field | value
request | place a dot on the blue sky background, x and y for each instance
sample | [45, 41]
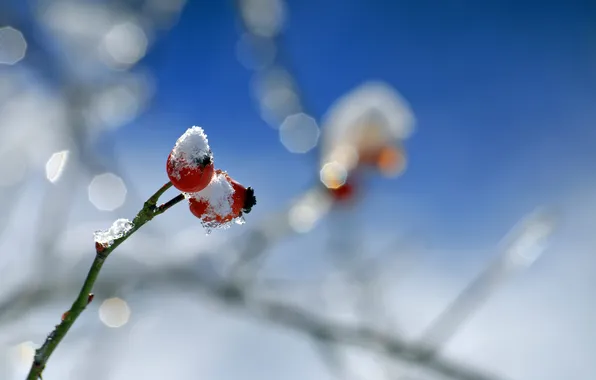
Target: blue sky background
[504, 94]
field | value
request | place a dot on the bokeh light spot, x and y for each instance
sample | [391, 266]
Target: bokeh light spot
[333, 175]
[116, 106]
[299, 133]
[391, 161]
[263, 17]
[302, 218]
[24, 353]
[124, 45]
[55, 165]
[13, 45]
[107, 192]
[114, 312]
[275, 91]
[306, 212]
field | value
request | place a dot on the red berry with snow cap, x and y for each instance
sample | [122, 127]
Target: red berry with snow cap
[222, 201]
[190, 164]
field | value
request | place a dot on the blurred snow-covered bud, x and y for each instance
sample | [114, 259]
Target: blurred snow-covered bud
[371, 122]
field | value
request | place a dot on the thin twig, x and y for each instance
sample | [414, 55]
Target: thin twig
[164, 207]
[148, 212]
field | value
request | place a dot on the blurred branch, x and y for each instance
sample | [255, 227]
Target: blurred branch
[520, 247]
[360, 336]
[227, 289]
[184, 278]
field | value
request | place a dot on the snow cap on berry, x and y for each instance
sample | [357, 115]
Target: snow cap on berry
[192, 148]
[219, 195]
[369, 117]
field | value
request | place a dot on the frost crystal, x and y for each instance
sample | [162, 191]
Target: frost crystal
[118, 229]
[192, 149]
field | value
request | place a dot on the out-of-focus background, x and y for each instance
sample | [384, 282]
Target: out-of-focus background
[424, 173]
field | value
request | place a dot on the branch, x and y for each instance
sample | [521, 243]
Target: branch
[148, 212]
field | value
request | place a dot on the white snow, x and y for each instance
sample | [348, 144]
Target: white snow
[118, 229]
[218, 194]
[191, 147]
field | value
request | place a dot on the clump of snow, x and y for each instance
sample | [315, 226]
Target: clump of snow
[219, 195]
[191, 149]
[118, 229]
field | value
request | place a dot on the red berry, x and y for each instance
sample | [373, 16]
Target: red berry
[189, 177]
[198, 207]
[99, 247]
[242, 200]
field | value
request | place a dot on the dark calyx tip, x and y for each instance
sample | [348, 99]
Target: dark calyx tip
[249, 200]
[205, 160]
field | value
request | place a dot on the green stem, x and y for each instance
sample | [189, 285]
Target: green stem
[148, 212]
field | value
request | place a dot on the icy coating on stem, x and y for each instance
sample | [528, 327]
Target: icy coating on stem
[192, 149]
[118, 229]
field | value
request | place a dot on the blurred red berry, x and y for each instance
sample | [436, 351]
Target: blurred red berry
[189, 177]
[342, 193]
